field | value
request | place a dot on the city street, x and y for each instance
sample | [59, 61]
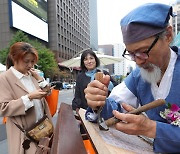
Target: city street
[65, 96]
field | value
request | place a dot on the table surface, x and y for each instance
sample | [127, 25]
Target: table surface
[114, 141]
[67, 137]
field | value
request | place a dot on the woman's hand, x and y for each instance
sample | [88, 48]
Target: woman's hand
[96, 92]
[37, 94]
[36, 75]
[135, 124]
[48, 88]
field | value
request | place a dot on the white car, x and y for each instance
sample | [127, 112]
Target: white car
[65, 85]
[69, 86]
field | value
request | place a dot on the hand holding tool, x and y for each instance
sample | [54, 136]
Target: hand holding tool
[101, 121]
[137, 111]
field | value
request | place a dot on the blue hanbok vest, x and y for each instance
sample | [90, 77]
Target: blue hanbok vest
[142, 90]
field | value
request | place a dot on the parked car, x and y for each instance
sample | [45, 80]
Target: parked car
[58, 85]
[69, 86]
[66, 85]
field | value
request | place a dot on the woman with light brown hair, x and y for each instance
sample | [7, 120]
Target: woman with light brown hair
[21, 98]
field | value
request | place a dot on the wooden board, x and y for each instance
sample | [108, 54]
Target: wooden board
[114, 141]
[67, 138]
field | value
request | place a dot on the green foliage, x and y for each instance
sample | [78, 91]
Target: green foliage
[46, 63]
[19, 37]
[46, 60]
[3, 55]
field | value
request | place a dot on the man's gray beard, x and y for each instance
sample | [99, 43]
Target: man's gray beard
[153, 76]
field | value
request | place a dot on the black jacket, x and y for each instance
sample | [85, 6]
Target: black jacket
[82, 81]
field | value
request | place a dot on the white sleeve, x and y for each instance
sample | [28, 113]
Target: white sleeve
[28, 104]
[121, 93]
[43, 84]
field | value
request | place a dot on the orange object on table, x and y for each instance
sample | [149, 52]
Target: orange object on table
[89, 147]
[52, 101]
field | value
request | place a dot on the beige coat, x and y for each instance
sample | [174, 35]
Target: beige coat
[11, 106]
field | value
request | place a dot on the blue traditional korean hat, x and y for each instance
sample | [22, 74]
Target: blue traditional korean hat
[145, 21]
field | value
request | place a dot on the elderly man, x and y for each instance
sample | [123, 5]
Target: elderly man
[147, 37]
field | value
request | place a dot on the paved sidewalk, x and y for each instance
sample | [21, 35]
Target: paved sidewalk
[3, 147]
[3, 138]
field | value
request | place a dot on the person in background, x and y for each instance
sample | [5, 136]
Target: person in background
[21, 97]
[147, 36]
[89, 63]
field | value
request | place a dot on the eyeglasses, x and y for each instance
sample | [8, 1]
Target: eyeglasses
[141, 55]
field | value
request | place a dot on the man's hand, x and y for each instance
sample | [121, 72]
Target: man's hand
[135, 124]
[96, 92]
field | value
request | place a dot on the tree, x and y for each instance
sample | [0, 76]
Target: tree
[46, 62]
[18, 37]
[3, 55]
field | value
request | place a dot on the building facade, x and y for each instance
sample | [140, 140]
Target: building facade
[6, 32]
[69, 29]
[23, 15]
[120, 68]
[93, 24]
[175, 21]
[107, 50]
[65, 24]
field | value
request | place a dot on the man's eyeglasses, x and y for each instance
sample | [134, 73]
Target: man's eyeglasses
[141, 55]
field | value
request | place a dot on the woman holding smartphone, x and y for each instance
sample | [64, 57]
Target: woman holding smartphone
[22, 97]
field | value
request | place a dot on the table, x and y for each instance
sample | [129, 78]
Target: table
[67, 138]
[114, 141]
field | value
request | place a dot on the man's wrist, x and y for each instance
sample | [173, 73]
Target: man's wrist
[151, 132]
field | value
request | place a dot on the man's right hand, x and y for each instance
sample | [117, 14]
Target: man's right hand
[96, 92]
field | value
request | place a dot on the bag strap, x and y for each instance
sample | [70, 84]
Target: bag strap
[25, 133]
[23, 130]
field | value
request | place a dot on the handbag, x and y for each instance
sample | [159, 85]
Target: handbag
[43, 128]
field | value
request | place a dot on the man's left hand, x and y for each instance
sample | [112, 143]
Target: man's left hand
[135, 124]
